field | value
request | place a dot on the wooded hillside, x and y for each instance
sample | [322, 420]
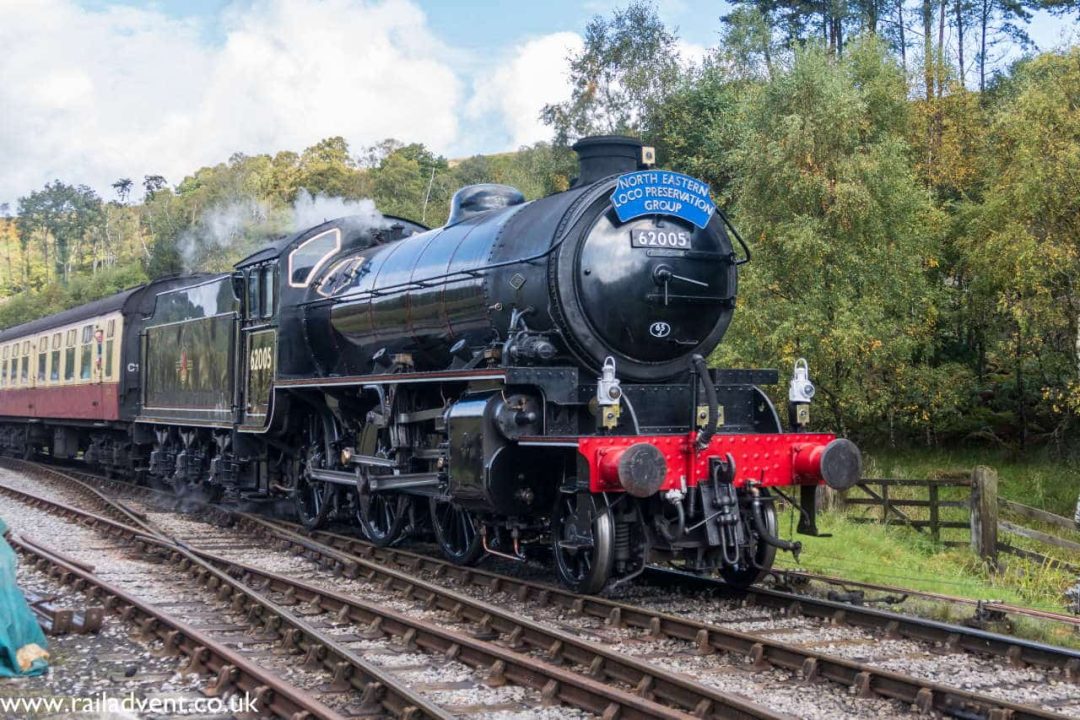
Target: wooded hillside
[912, 201]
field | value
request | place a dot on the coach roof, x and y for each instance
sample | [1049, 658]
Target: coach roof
[103, 306]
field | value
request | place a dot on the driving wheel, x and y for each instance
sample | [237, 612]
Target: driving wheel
[457, 531]
[382, 516]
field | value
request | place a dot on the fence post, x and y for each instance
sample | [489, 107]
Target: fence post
[832, 499]
[935, 529]
[984, 513]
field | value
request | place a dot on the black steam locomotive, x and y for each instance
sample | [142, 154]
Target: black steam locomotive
[531, 374]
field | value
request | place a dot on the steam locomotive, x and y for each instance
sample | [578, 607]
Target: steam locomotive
[529, 376]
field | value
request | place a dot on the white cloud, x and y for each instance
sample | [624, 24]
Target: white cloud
[515, 93]
[509, 99]
[691, 54]
[90, 96]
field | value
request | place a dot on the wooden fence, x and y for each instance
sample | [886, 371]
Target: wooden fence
[961, 504]
[890, 506]
[1042, 516]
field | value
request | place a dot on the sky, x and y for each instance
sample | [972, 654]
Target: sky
[95, 90]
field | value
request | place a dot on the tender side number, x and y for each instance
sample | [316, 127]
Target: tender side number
[262, 359]
[656, 238]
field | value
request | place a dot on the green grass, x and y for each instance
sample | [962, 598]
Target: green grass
[1038, 480]
[898, 555]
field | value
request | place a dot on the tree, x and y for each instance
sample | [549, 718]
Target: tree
[123, 189]
[64, 213]
[1000, 21]
[1021, 248]
[826, 196]
[285, 177]
[748, 47]
[8, 241]
[702, 123]
[153, 184]
[327, 168]
[538, 170]
[399, 186]
[627, 67]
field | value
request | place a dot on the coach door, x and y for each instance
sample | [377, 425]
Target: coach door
[259, 340]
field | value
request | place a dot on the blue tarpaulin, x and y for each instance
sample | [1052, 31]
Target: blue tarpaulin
[19, 629]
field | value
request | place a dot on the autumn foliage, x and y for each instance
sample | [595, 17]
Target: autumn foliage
[920, 248]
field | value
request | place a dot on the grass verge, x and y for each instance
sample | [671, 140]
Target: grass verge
[895, 555]
[1037, 479]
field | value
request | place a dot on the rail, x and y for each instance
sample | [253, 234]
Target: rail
[353, 557]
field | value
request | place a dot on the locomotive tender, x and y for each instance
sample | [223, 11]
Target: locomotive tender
[531, 374]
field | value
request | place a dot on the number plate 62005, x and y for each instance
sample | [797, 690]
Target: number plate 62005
[660, 238]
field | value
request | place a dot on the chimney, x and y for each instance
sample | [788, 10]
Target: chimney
[605, 155]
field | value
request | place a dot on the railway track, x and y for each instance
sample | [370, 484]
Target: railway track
[1018, 651]
[233, 672]
[397, 570]
[255, 628]
[987, 607]
[758, 646]
[585, 685]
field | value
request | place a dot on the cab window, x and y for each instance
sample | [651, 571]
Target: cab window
[310, 255]
[266, 290]
[253, 293]
[339, 277]
[54, 359]
[69, 355]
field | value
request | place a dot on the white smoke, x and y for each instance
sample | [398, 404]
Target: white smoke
[226, 223]
[219, 229]
[309, 211]
[244, 224]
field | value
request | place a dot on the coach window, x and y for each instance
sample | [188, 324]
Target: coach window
[110, 339]
[311, 255]
[4, 368]
[24, 367]
[69, 356]
[54, 360]
[87, 356]
[42, 358]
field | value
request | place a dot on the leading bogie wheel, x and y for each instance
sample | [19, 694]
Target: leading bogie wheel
[582, 538]
[457, 531]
